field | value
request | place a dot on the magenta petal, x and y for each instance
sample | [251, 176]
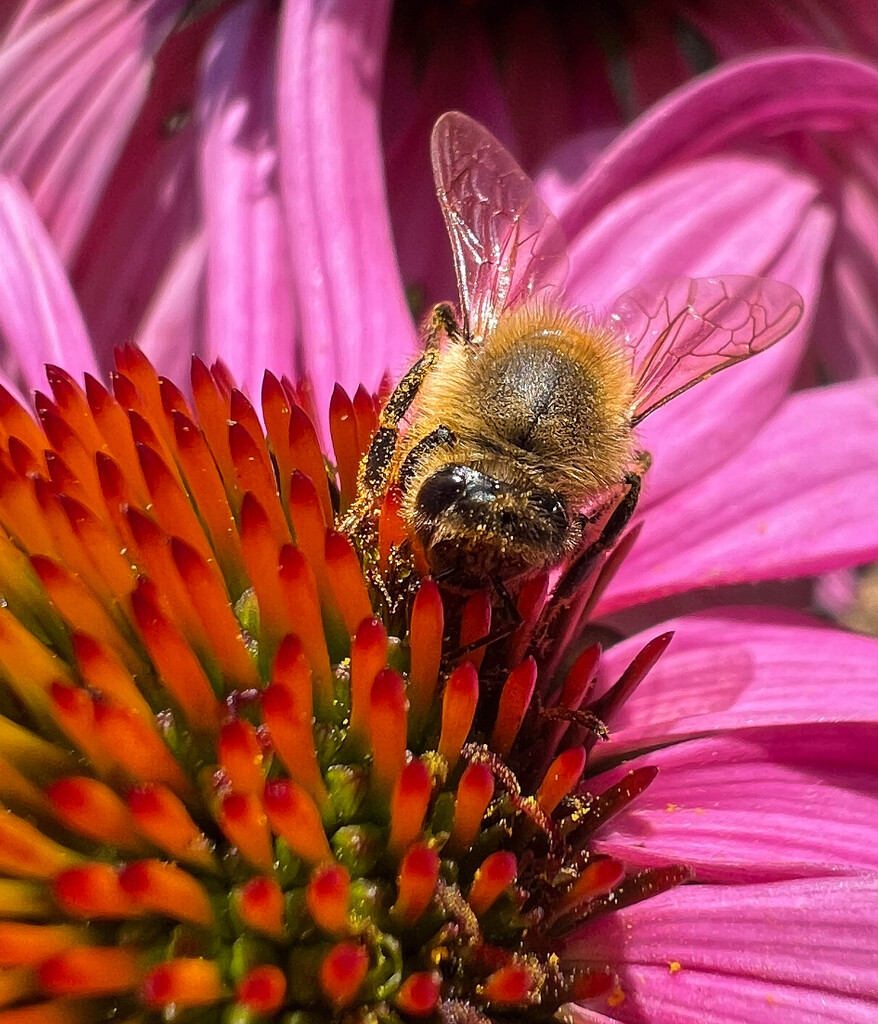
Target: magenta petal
[846, 332]
[460, 74]
[71, 85]
[756, 806]
[798, 501]
[720, 416]
[568, 162]
[250, 320]
[836, 592]
[117, 280]
[742, 669]
[580, 1015]
[172, 330]
[741, 103]
[40, 321]
[719, 215]
[150, 208]
[711, 216]
[798, 952]
[353, 314]
[848, 25]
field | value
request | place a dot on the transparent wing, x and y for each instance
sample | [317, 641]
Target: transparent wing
[507, 245]
[682, 330]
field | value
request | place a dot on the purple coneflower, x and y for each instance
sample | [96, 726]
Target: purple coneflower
[241, 784]
[239, 777]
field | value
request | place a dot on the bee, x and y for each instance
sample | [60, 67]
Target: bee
[513, 438]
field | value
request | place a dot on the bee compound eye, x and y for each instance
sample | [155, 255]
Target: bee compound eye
[441, 490]
[552, 507]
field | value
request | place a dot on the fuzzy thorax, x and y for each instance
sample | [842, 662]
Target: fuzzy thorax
[541, 408]
[548, 390]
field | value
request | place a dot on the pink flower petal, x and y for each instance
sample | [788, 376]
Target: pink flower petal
[580, 1015]
[150, 207]
[760, 806]
[739, 104]
[353, 314]
[250, 318]
[71, 85]
[460, 74]
[542, 105]
[718, 215]
[173, 328]
[846, 25]
[836, 592]
[742, 668]
[117, 278]
[799, 501]
[787, 953]
[14, 20]
[40, 321]
[718, 416]
[846, 332]
[799, 952]
[556, 179]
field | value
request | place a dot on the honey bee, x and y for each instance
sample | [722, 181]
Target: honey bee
[512, 438]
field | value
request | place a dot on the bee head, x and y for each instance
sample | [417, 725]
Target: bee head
[480, 526]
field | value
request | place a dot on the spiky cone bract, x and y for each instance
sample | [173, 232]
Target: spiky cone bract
[241, 779]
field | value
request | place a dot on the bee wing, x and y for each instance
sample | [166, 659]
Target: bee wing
[507, 245]
[682, 331]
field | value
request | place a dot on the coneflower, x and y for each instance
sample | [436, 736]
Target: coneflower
[233, 758]
[243, 778]
[240, 775]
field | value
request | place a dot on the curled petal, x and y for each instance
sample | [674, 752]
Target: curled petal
[150, 207]
[40, 321]
[719, 215]
[800, 500]
[71, 85]
[746, 668]
[173, 326]
[741, 103]
[846, 334]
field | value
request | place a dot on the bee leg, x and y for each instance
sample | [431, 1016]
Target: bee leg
[438, 438]
[510, 607]
[375, 467]
[483, 641]
[500, 632]
[642, 462]
[584, 719]
[622, 514]
[376, 464]
[580, 569]
[442, 321]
